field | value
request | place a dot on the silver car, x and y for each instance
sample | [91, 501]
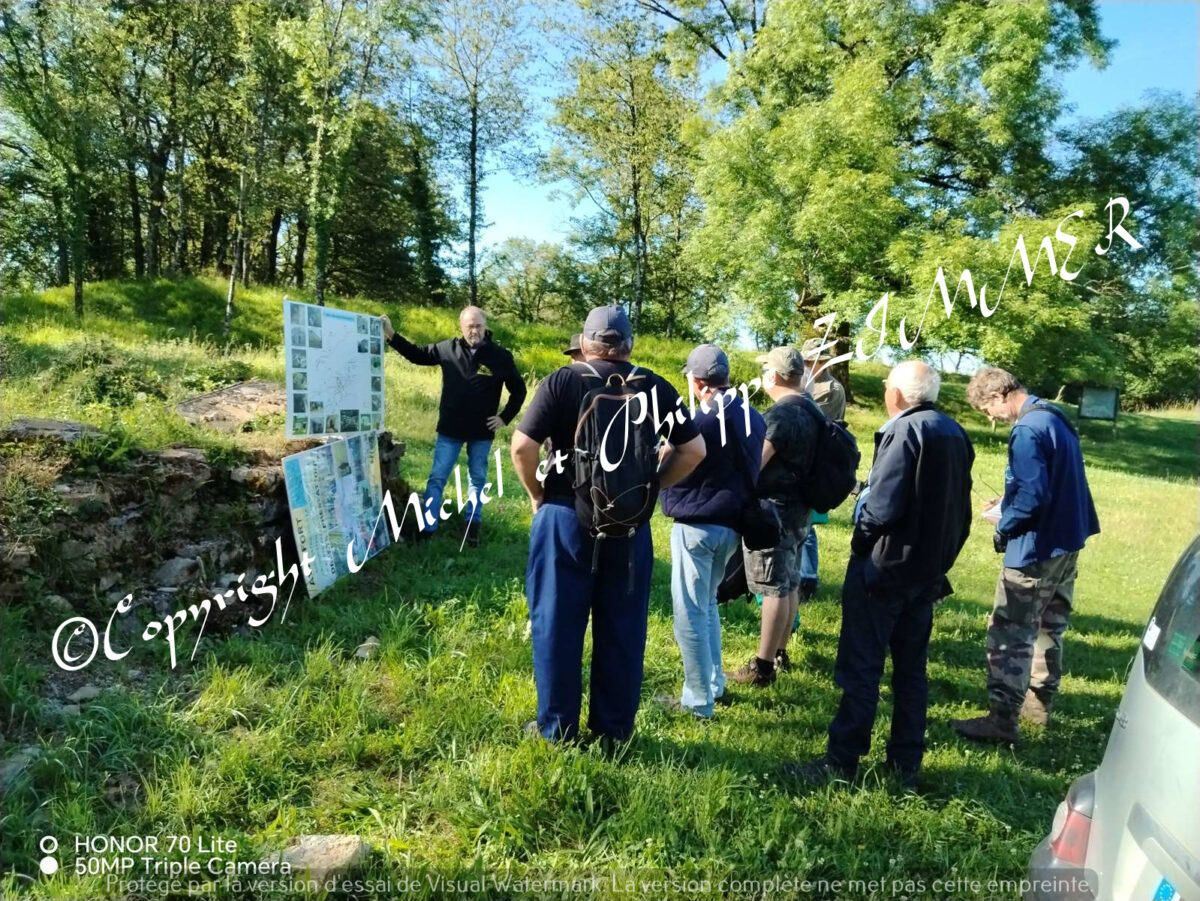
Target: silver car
[1131, 828]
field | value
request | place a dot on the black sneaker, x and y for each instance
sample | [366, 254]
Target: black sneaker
[759, 673]
[906, 776]
[783, 663]
[473, 533]
[808, 589]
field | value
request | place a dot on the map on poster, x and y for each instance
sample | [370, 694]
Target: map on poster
[334, 370]
[335, 493]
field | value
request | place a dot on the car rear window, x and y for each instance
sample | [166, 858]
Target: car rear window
[1171, 645]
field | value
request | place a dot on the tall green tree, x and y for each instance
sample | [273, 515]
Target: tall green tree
[50, 52]
[846, 133]
[343, 51]
[476, 53]
[617, 131]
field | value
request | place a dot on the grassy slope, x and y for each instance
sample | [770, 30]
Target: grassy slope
[421, 750]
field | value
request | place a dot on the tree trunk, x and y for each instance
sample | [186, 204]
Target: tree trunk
[321, 228]
[473, 198]
[135, 218]
[206, 243]
[301, 247]
[841, 371]
[272, 248]
[639, 252]
[222, 229]
[78, 226]
[238, 253]
[179, 260]
[62, 239]
[157, 170]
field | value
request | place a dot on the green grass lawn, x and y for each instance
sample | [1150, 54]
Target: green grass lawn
[420, 749]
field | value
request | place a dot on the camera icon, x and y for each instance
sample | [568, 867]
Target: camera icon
[48, 845]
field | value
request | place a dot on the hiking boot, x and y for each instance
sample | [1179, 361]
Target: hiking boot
[808, 589]
[819, 771]
[473, 533]
[1035, 710]
[783, 663]
[995, 728]
[906, 776]
[757, 672]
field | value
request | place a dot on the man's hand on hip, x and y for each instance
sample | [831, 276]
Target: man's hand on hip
[495, 423]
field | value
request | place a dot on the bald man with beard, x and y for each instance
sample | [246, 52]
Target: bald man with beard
[910, 523]
[474, 370]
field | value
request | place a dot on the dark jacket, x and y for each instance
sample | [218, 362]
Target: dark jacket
[1048, 509]
[917, 514]
[716, 491]
[470, 383]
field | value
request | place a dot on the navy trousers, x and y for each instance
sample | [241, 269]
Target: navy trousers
[562, 592]
[874, 623]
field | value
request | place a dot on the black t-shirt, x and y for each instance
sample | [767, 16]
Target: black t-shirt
[554, 412]
[792, 431]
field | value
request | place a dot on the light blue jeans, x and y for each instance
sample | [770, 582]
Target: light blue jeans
[445, 455]
[698, 557]
[808, 555]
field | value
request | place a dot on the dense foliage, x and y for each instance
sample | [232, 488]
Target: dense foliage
[738, 166]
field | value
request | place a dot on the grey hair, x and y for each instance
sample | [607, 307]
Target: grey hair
[606, 351]
[917, 381]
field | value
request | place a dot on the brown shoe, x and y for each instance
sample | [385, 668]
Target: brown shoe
[1035, 710]
[995, 728]
[783, 663]
[759, 673]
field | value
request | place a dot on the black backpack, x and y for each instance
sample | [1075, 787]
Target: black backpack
[616, 459]
[834, 469]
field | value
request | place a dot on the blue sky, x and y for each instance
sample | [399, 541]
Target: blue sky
[1158, 49]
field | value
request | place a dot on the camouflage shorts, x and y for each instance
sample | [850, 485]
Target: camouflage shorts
[775, 572]
[1031, 611]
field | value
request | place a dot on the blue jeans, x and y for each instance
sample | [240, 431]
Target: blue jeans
[445, 455]
[698, 557]
[808, 555]
[562, 593]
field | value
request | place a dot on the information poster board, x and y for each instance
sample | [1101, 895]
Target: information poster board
[335, 493]
[334, 370]
[1098, 403]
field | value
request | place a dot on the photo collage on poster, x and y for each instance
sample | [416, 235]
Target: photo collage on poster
[334, 371]
[335, 492]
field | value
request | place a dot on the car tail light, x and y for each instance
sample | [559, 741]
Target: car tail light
[1069, 838]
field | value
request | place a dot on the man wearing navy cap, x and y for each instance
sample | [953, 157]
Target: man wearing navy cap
[562, 585]
[707, 508]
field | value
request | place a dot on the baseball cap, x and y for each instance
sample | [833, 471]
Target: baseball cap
[608, 325]
[813, 350]
[573, 346]
[784, 360]
[707, 362]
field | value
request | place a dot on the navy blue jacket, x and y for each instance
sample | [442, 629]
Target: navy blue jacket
[917, 515]
[715, 492]
[1048, 509]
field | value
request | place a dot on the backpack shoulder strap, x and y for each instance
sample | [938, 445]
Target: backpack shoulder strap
[1045, 407]
[587, 370]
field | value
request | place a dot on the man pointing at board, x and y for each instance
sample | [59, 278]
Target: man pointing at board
[474, 368]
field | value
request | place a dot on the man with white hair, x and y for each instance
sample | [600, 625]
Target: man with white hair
[910, 524]
[474, 369]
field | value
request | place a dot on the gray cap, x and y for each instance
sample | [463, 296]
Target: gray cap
[608, 325]
[784, 360]
[708, 362]
[817, 349]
